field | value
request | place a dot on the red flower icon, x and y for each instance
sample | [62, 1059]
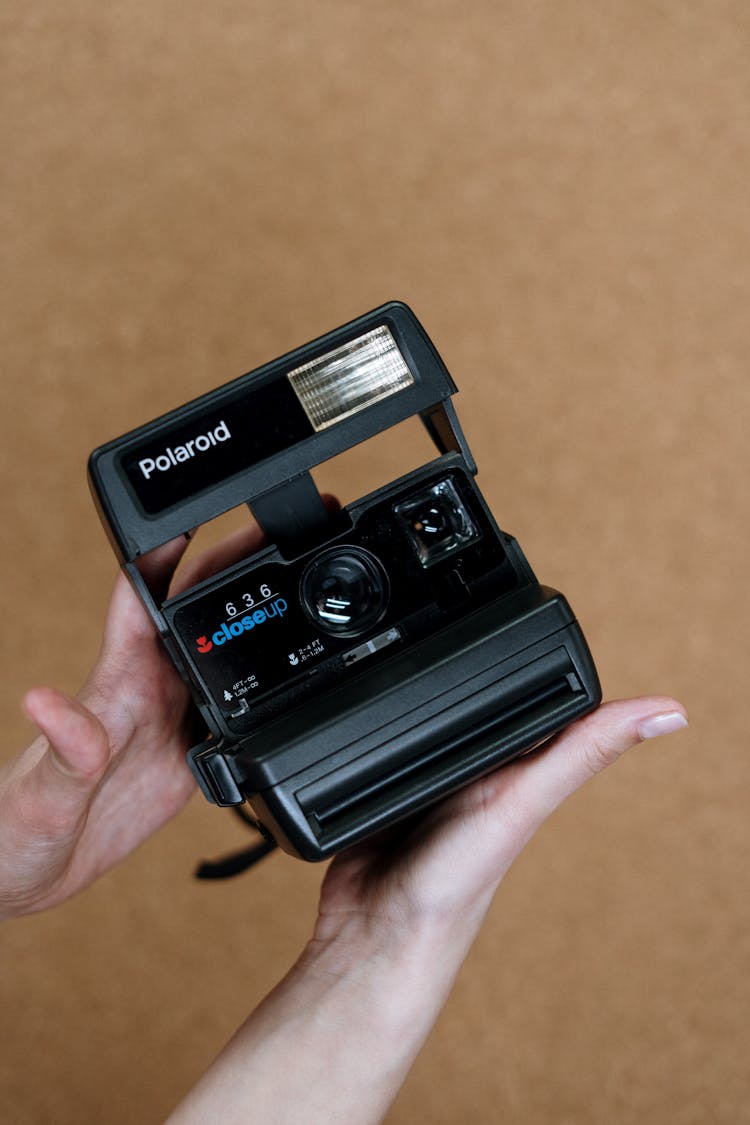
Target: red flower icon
[203, 644]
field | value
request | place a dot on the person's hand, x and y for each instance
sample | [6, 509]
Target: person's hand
[109, 767]
[334, 1041]
[447, 865]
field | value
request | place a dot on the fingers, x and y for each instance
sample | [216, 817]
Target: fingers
[127, 617]
[158, 566]
[236, 546]
[239, 545]
[526, 792]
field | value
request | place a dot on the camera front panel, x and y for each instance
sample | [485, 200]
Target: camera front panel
[265, 635]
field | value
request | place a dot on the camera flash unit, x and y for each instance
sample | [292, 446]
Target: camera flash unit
[350, 378]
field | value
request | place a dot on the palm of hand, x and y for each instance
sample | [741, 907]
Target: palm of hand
[445, 866]
[437, 866]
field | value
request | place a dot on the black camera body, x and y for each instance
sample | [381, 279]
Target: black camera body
[367, 661]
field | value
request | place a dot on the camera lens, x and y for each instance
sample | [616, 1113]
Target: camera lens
[344, 591]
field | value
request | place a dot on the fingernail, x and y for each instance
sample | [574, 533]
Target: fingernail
[654, 725]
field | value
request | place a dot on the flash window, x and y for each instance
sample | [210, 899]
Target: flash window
[350, 378]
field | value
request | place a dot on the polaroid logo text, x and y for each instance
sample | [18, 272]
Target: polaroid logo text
[173, 456]
[231, 629]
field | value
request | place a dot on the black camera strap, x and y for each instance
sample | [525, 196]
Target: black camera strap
[237, 862]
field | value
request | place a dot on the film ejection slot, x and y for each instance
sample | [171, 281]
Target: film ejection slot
[376, 658]
[413, 760]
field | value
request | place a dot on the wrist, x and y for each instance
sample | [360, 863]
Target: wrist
[401, 971]
[352, 1013]
[396, 929]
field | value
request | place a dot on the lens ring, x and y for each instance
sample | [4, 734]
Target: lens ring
[344, 591]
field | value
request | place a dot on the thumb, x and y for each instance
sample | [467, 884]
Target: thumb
[45, 797]
[64, 769]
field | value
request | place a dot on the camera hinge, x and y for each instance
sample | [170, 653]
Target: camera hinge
[443, 426]
[291, 513]
[211, 770]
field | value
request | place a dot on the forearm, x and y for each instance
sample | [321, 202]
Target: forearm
[335, 1040]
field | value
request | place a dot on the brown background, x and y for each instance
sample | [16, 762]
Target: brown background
[560, 189]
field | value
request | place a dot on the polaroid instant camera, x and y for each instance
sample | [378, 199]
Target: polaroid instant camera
[365, 662]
